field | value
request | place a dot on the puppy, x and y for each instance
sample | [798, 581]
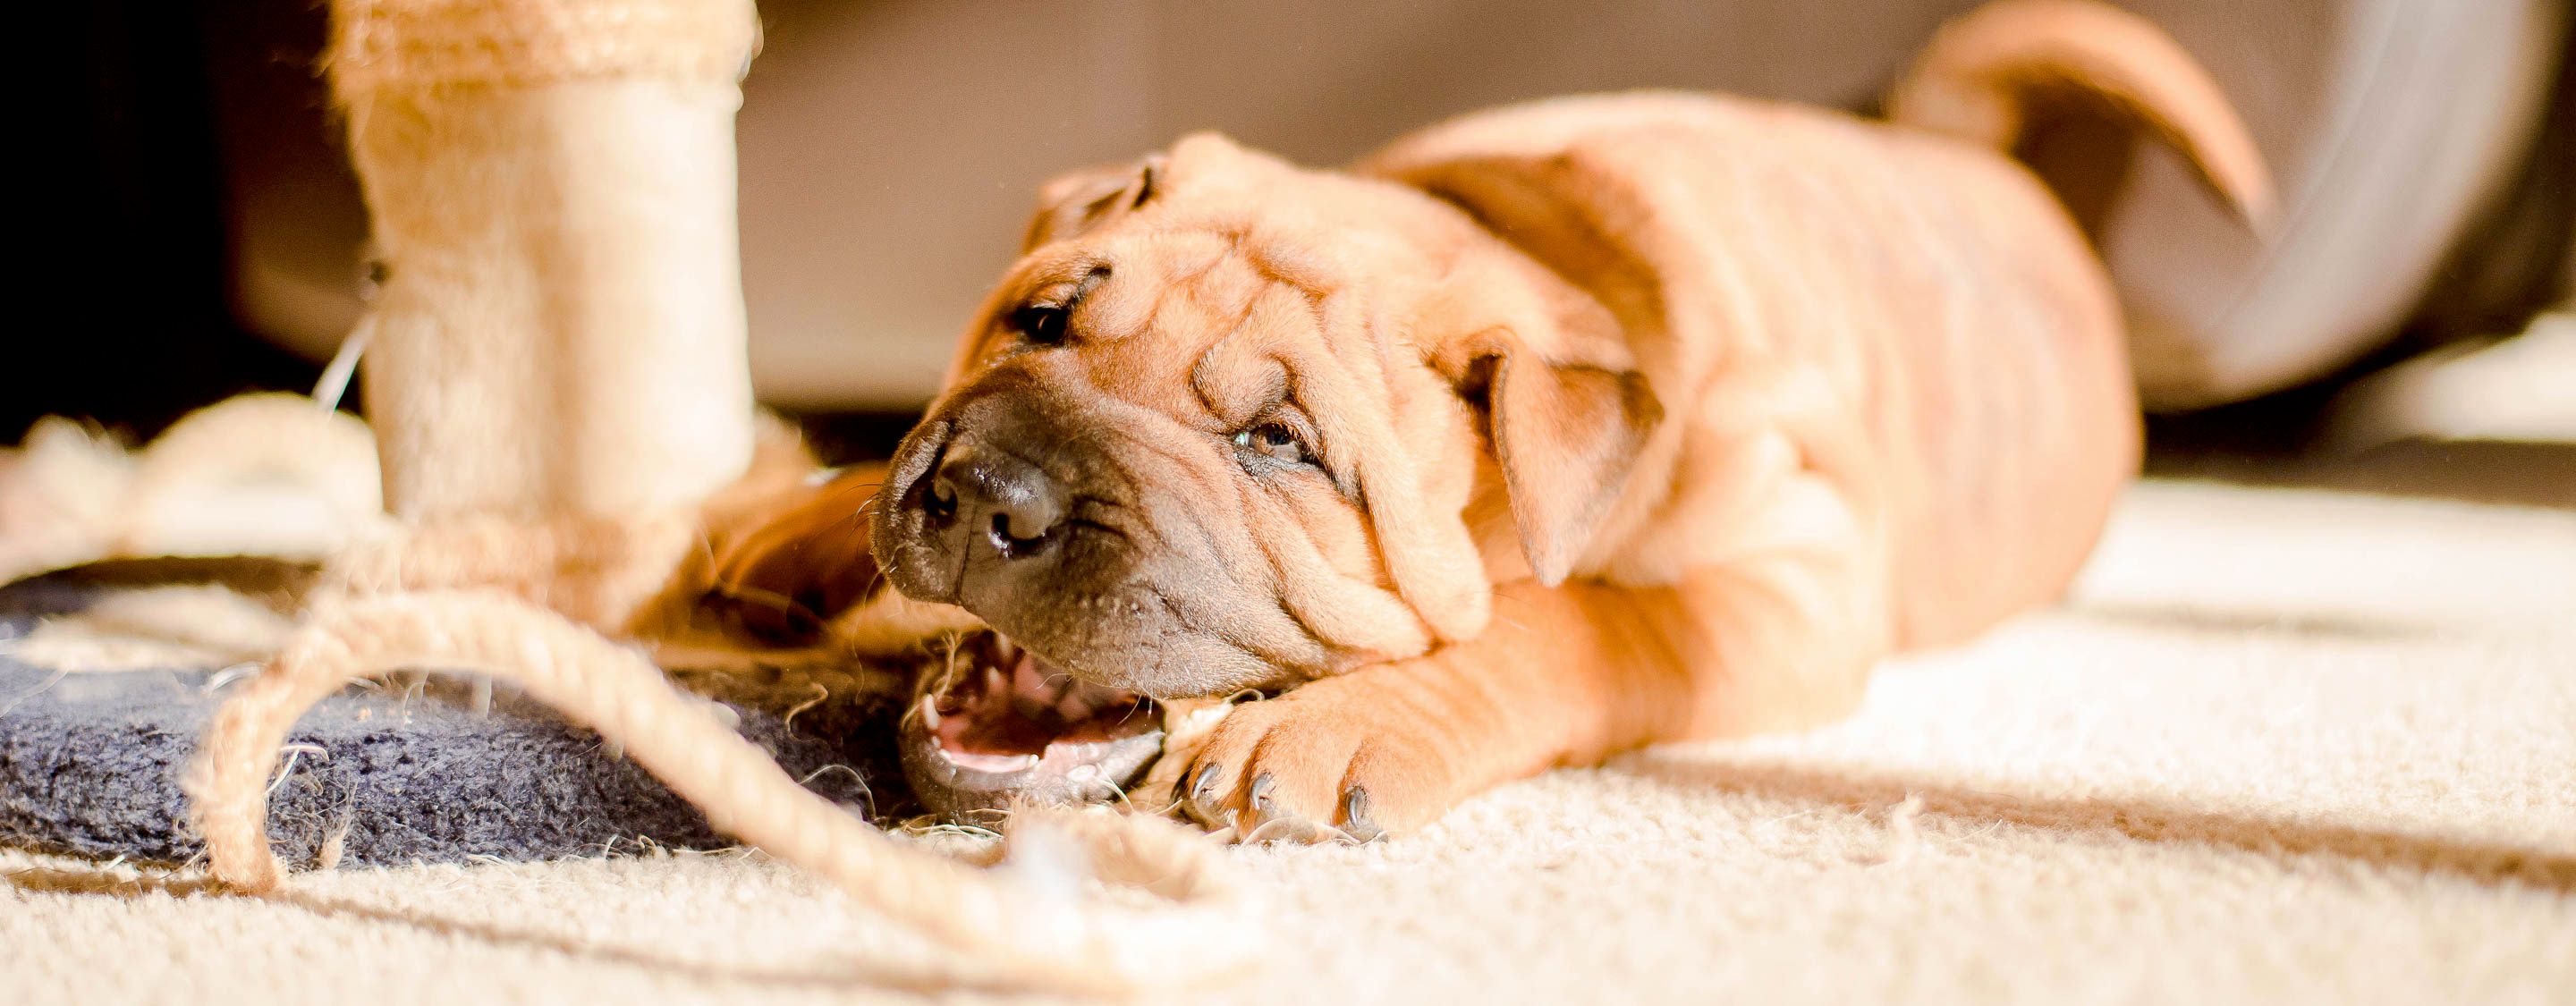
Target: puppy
[1542, 433]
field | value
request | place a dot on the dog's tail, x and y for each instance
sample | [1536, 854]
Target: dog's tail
[1982, 74]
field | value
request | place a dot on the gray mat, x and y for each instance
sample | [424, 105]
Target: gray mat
[90, 764]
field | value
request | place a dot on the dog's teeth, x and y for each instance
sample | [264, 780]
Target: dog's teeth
[1003, 764]
[930, 712]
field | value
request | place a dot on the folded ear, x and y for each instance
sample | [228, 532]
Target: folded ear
[1069, 204]
[1565, 428]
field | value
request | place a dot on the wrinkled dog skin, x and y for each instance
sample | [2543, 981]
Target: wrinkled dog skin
[1188, 451]
[1545, 432]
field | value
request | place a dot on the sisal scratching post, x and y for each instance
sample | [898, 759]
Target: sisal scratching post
[559, 386]
[561, 331]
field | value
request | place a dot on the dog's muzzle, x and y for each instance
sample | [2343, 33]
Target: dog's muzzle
[1017, 502]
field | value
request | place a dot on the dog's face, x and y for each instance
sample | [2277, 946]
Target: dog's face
[1228, 423]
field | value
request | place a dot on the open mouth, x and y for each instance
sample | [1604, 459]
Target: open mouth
[995, 724]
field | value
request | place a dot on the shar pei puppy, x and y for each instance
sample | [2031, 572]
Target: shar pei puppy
[1542, 433]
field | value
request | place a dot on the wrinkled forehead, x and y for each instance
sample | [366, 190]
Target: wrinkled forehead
[1207, 320]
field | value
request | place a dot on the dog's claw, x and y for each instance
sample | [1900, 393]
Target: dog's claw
[1355, 817]
[1272, 822]
[1195, 801]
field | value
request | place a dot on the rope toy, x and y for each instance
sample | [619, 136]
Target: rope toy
[1020, 928]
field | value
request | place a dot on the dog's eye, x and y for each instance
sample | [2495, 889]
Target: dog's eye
[1046, 324]
[1040, 323]
[1274, 441]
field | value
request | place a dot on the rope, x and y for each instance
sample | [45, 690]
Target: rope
[1021, 927]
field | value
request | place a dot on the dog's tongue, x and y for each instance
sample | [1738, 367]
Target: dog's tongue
[1003, 718]
[1041, 694]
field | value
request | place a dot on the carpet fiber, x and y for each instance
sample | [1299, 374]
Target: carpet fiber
[2280, 745]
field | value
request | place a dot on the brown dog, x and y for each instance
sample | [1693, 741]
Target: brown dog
[1545, 432]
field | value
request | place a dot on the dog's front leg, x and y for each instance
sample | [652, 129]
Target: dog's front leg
[1567, 675]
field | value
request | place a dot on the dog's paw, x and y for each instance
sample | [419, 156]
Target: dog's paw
[1322, 763]
[781, 577]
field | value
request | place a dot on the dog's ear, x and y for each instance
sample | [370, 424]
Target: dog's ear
[1564, 410]
[1071, 203]
[1545, 364]
[1565, 433]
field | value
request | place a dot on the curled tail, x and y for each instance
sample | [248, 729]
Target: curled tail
[1984, 70]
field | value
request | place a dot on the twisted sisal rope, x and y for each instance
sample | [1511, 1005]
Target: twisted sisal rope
[1015, 934]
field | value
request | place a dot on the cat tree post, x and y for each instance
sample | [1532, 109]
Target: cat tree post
[560, 331]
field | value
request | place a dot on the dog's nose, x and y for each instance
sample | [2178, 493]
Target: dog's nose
[979, 500]
[1000, 501]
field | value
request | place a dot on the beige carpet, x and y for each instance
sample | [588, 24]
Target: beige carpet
[2283, 746]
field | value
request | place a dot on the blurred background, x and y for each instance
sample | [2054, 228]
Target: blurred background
[196, 214]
